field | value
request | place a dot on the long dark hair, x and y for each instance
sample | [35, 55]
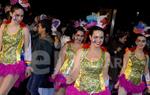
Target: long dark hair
[145, 50]
[16, 6]
[91, 30]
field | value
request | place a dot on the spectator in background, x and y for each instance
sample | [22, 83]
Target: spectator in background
[6, 12]
[34, 28]
[56, 38]
[43, 61]
[116, 49]
[57, 45]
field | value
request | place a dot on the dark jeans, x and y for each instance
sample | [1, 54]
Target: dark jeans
[37, 81]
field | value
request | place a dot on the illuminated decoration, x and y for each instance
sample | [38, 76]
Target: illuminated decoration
[43, 16]
[91, 20]
[102, 21]
[56, 23]
[95, 19]
[24, 3]
[139, 28]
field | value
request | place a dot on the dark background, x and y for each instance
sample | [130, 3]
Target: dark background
[74, 9]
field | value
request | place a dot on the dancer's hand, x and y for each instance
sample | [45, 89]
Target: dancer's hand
[148, 89]
[28, 72]
[53, 76]
[116, 85]
[69, 79]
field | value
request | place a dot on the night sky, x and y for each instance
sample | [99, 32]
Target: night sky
[68, 9]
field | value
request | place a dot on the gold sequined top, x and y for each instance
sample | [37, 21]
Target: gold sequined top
[90, 77]
[68, 63]
[135, 68]
[11, 47]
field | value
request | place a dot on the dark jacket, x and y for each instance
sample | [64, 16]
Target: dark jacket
[43, 61]
[43, 55]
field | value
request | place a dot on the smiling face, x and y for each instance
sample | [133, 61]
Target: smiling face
[141, 42]
[79, 36]
[17, 15]
[97, 38]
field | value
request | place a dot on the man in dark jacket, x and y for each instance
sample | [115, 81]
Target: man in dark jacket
[42, 61]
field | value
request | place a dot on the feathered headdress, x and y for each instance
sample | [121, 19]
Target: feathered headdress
[95, 19]
[55, 24]
[23, 3]
[139, 28]
[79, 22]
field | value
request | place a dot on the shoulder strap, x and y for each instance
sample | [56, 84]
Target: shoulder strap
[103, 55]
[4, 28]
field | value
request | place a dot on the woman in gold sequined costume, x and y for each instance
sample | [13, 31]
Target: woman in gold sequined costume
[14, 35]
[65, 61]
[90, 67]
[135, 64]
